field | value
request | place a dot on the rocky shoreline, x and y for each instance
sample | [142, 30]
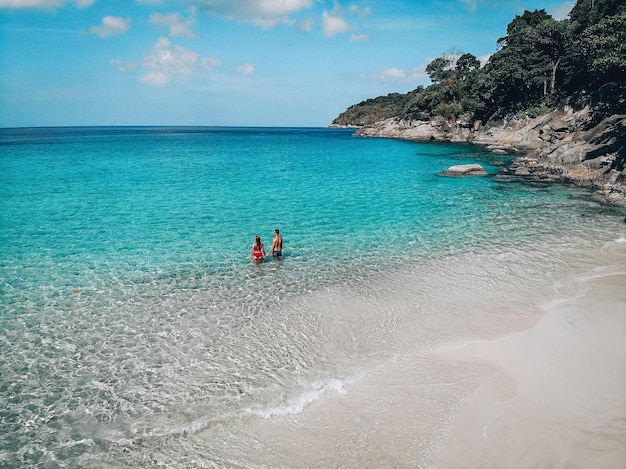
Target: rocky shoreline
[564, 146]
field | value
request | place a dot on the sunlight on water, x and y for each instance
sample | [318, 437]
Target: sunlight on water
[137, 332]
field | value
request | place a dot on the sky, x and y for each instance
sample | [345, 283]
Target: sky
[288, 63]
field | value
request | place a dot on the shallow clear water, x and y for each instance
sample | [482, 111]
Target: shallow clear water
[136, 331]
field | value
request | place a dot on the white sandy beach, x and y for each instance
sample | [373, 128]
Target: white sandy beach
[545, 390]
[556, 396]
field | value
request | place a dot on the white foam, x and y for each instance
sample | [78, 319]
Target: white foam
[195, 426]
[317, 390]
[620, 240]
[82, 442]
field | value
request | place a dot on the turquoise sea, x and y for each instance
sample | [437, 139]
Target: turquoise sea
[136, 332]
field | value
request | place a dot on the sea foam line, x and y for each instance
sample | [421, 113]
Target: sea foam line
[620, 240]
[296, 405]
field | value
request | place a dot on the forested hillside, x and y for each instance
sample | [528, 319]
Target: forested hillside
[540, 64]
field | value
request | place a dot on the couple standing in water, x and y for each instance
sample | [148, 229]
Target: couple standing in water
[258, 248]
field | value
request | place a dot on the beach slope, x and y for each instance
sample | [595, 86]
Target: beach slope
[557, 393]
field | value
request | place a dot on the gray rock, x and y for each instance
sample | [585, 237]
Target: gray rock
[465, 170]
[563, 146]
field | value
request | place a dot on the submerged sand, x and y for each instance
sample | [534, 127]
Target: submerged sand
[512, 359]
[556, 394]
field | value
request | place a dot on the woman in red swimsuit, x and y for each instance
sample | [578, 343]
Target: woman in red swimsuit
[258, 250]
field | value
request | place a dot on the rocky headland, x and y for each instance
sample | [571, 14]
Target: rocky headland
[564, 146]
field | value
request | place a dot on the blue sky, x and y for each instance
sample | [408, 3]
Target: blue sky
[228, 62]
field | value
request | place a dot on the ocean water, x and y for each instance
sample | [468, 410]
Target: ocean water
[136, 331]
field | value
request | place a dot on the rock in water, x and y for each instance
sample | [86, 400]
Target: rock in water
[465, 170]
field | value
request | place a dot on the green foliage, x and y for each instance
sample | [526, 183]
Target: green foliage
[374, 110]
[535, 111]
[466, 66]
[523, 72]
[603, 45]
[440, 69]
[540, 63]
[586, 13]
[448, 110]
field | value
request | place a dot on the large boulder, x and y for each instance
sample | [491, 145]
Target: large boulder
[465, 170]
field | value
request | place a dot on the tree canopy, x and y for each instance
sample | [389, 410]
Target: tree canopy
[540, 63]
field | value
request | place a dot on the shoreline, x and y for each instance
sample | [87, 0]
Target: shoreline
[428, 401]
[556, 393]
[564, 146]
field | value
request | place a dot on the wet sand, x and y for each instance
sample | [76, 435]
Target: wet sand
[556, 393]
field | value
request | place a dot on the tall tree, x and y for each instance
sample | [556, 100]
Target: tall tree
[597, 64]
[553, 41]
[466, 64]
[524, 71]
[603, 46]
[440, 69]
[589, 12]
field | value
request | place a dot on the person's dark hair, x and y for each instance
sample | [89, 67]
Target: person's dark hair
[276, 231]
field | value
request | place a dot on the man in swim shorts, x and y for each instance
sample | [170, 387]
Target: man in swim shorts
[277, 245]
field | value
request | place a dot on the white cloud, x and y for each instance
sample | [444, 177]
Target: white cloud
[46, 4]
[29, 3]
[209, 63]
[155, 79]
[471, 4]
[266, 13]
[359, 37]
[401, 75]
[246, 69]
[306, 25]
[167, 61]
[483, 59]
[362, 12]
[334, 24]
[124, 65]
[111, 26]
[561, 11]
[179, 27]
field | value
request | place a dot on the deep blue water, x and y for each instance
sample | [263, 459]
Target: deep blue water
[126, 286]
